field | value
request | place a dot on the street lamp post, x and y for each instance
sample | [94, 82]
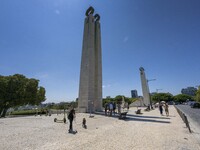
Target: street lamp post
[149, 92]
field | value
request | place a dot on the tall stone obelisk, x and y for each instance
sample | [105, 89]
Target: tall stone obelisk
[145, 87]
[90, 86]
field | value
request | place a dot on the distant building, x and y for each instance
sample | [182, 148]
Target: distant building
[134, 93]
[189, 91]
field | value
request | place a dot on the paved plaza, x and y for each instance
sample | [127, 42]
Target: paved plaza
[148, 131]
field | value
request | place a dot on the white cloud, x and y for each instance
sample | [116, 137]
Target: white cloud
[106, 86]
[125, 39]
[57, 12]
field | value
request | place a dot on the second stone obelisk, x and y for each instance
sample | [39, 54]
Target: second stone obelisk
[145, 87]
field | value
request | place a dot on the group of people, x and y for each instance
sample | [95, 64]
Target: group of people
[166, 108]
[110, 108]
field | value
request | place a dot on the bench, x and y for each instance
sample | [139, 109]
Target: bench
[122, 115]
[138, 111]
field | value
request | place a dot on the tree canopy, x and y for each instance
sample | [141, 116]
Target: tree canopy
[182, 98]
[197, 97]
[18, 90]
[118, 99]
[157, 97]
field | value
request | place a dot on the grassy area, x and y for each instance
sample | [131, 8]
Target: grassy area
[27, 112]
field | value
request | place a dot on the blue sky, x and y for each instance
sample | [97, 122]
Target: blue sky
[42, 39]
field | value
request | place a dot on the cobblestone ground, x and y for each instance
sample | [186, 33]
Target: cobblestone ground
[147, 131]
[193, 116]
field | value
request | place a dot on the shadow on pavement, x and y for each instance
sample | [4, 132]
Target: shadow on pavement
[145, 120]
[131, 117]
[147, 116]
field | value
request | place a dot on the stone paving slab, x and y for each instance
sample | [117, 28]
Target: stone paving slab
[147, 131]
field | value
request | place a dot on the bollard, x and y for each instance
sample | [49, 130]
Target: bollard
[187, 123]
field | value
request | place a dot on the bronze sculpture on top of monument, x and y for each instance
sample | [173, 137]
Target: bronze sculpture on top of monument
[90, 86]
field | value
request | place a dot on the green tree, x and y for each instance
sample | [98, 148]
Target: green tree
[157, 97]
[3, 93]
[197, 97]
[182, 98]
[107, 100]
[131, 100]
[119, 98]
[62, 106]
[18, 90]
[31, 89]
[73, 104]
[14, 91]
[40, 95]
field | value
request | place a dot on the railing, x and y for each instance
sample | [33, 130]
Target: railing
[184, 118]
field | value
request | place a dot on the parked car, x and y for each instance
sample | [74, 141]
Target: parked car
[171, 103]
[191, 103]
[176, 103]
[196, 105]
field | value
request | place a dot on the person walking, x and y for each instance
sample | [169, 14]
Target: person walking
[71, 117]
[166, 109]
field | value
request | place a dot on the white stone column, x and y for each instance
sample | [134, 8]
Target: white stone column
[90, 87]
[86, 85]
[98, 68]
[145, 88]
[91, 74]
[83, 83]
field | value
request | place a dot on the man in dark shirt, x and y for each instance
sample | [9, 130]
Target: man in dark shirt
[71, 116]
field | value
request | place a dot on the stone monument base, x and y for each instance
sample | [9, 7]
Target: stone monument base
[82, 109]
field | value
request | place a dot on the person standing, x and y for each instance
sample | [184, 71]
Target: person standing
[106, 108]
[114, 107]
[71, 117]
[127, 107]
[111, 108]
[161, 108]
[119, 108]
